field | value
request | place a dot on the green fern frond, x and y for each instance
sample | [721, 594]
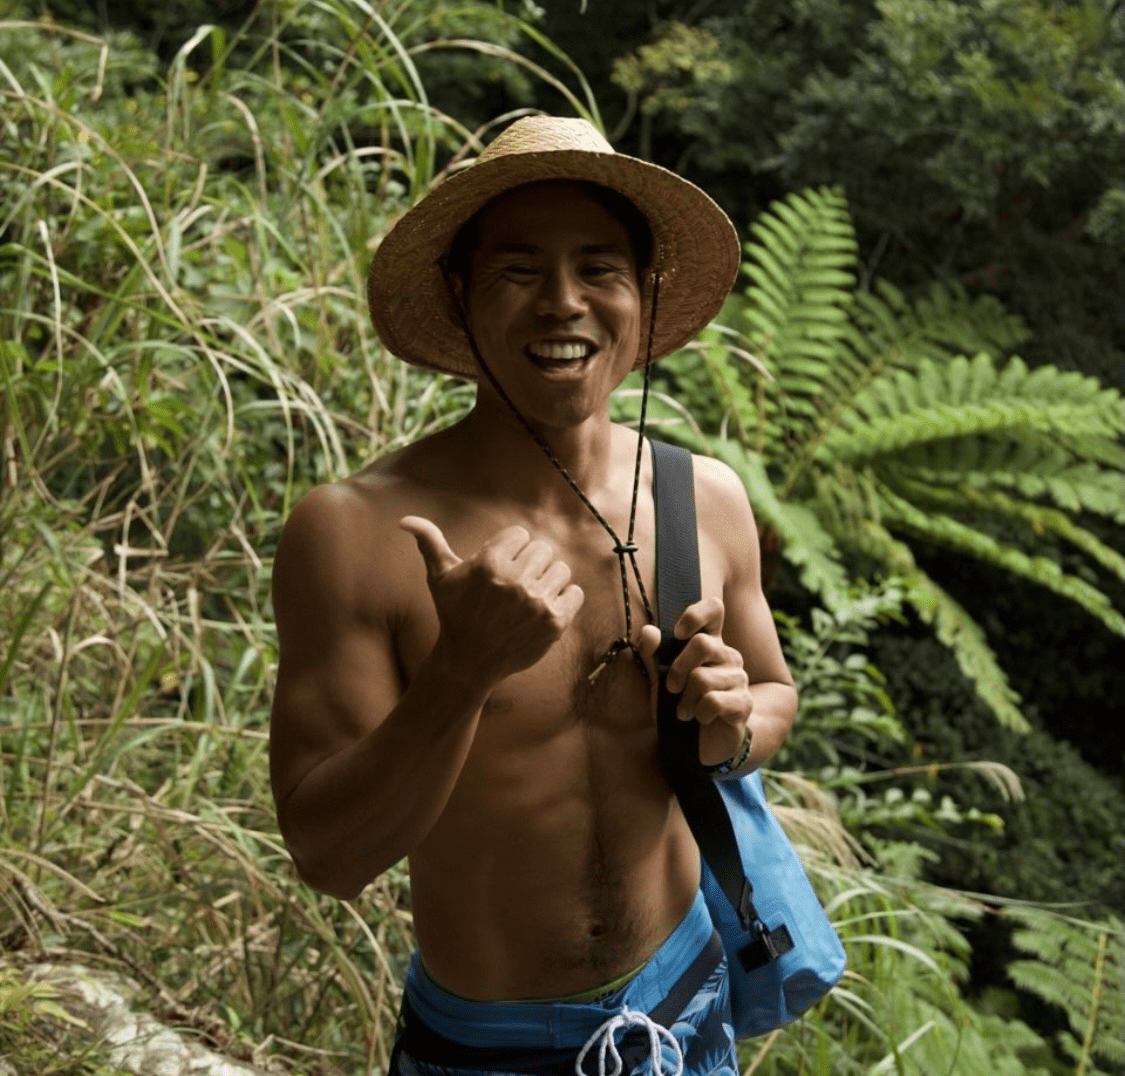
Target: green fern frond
[1037, 518]
[1107, 451]
[800, 264]
[962, 324]
[892, 332]
[964, 637]
[954, 627]
[1031, 464]
[913, 407]
[1078, 966]
[845, 500]
[947, 531]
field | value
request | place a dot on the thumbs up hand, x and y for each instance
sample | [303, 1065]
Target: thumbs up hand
[503, 608]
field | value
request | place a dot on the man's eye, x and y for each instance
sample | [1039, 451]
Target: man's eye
[600, 269]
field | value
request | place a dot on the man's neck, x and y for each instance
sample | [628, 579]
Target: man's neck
[509, 459]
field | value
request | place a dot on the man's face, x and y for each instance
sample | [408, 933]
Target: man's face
[553, 301]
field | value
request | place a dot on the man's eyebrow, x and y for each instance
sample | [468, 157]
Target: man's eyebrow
[516, 248]
[605, 248]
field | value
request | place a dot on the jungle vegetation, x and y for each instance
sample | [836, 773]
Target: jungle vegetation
[918, 379]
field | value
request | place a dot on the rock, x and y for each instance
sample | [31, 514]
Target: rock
[129, 1040]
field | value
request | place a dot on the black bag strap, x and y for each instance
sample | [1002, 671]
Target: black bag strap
[677, 587]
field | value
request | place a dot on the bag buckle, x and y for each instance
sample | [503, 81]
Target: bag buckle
[766, 947]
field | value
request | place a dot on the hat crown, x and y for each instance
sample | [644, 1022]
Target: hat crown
[546, 134]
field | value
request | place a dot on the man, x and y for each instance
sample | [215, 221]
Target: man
[455, 684]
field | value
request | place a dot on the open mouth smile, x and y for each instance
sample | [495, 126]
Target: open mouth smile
[559, 355]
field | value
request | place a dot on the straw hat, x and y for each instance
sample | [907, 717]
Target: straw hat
[695, 248]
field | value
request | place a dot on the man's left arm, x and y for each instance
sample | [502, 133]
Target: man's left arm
[731, 675]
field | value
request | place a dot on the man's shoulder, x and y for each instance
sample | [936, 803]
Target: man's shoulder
[723, 511]
[376, 496]
[345, 509]
[342, 543]
[721, 503]
[716, 479]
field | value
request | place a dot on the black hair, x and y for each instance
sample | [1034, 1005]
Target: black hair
[456, 262]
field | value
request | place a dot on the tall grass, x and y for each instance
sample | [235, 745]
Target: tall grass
[184, 350]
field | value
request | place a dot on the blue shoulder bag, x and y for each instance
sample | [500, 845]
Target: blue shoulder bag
[782, 953]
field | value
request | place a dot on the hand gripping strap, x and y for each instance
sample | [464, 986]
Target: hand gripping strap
[677, 587]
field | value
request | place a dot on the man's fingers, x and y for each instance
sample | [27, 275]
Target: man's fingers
[706, 615]
[507, 544]
[569, 602]
[647, 644]
[432, 545]
[649, 641]
[554, 580]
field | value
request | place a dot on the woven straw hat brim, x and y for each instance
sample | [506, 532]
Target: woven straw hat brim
[695, 249]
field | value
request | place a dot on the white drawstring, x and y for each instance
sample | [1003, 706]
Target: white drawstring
[625, 1019]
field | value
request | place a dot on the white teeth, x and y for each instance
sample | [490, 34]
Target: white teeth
[559, 352]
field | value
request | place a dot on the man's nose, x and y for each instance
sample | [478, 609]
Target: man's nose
[561, 294]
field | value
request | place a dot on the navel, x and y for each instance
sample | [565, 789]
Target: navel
[498, 704]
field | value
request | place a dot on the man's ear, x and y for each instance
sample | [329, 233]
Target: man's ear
[456, 283]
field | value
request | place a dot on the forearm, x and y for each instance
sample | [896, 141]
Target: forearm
[364, 808]
[775, 707]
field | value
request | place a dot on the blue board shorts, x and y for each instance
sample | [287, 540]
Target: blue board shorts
[672, 1017]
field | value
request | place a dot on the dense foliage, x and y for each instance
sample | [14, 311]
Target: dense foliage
[977, 141]
[184, 351]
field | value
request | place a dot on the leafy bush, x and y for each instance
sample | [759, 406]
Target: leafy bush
[902, 1005]
[183, 352]
[1063, 843]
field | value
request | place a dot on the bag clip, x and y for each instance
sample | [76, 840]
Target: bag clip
[766, 947]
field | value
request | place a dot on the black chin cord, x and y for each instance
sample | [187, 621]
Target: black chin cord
[623, 550]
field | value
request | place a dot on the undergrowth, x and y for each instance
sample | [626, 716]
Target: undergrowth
[184, 351]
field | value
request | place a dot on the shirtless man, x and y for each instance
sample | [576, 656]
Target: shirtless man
[442, 614]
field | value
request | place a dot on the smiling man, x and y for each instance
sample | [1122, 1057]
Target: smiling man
[467, 675]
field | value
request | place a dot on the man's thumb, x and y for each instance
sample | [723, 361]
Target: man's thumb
[647, 644]
[432, 545]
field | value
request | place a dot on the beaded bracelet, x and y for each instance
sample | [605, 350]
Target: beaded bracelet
[736, 761]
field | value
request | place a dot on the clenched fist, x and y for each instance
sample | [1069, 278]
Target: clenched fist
[502, 609]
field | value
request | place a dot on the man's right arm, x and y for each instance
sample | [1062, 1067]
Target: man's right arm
[362, 765]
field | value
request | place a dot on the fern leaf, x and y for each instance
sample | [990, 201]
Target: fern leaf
[885, 419]
[1104, 450]
[972, 325]
[982, 376]
[954, 627]
[953, 534]
[1033, 465]
[951, 622]
[964, 637]
[799, 264]
[1037, 518]
[1078, 966]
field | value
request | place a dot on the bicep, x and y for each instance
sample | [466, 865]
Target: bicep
[337, 676]
[727, 521]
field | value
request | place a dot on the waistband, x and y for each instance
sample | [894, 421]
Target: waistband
[557, 1023]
